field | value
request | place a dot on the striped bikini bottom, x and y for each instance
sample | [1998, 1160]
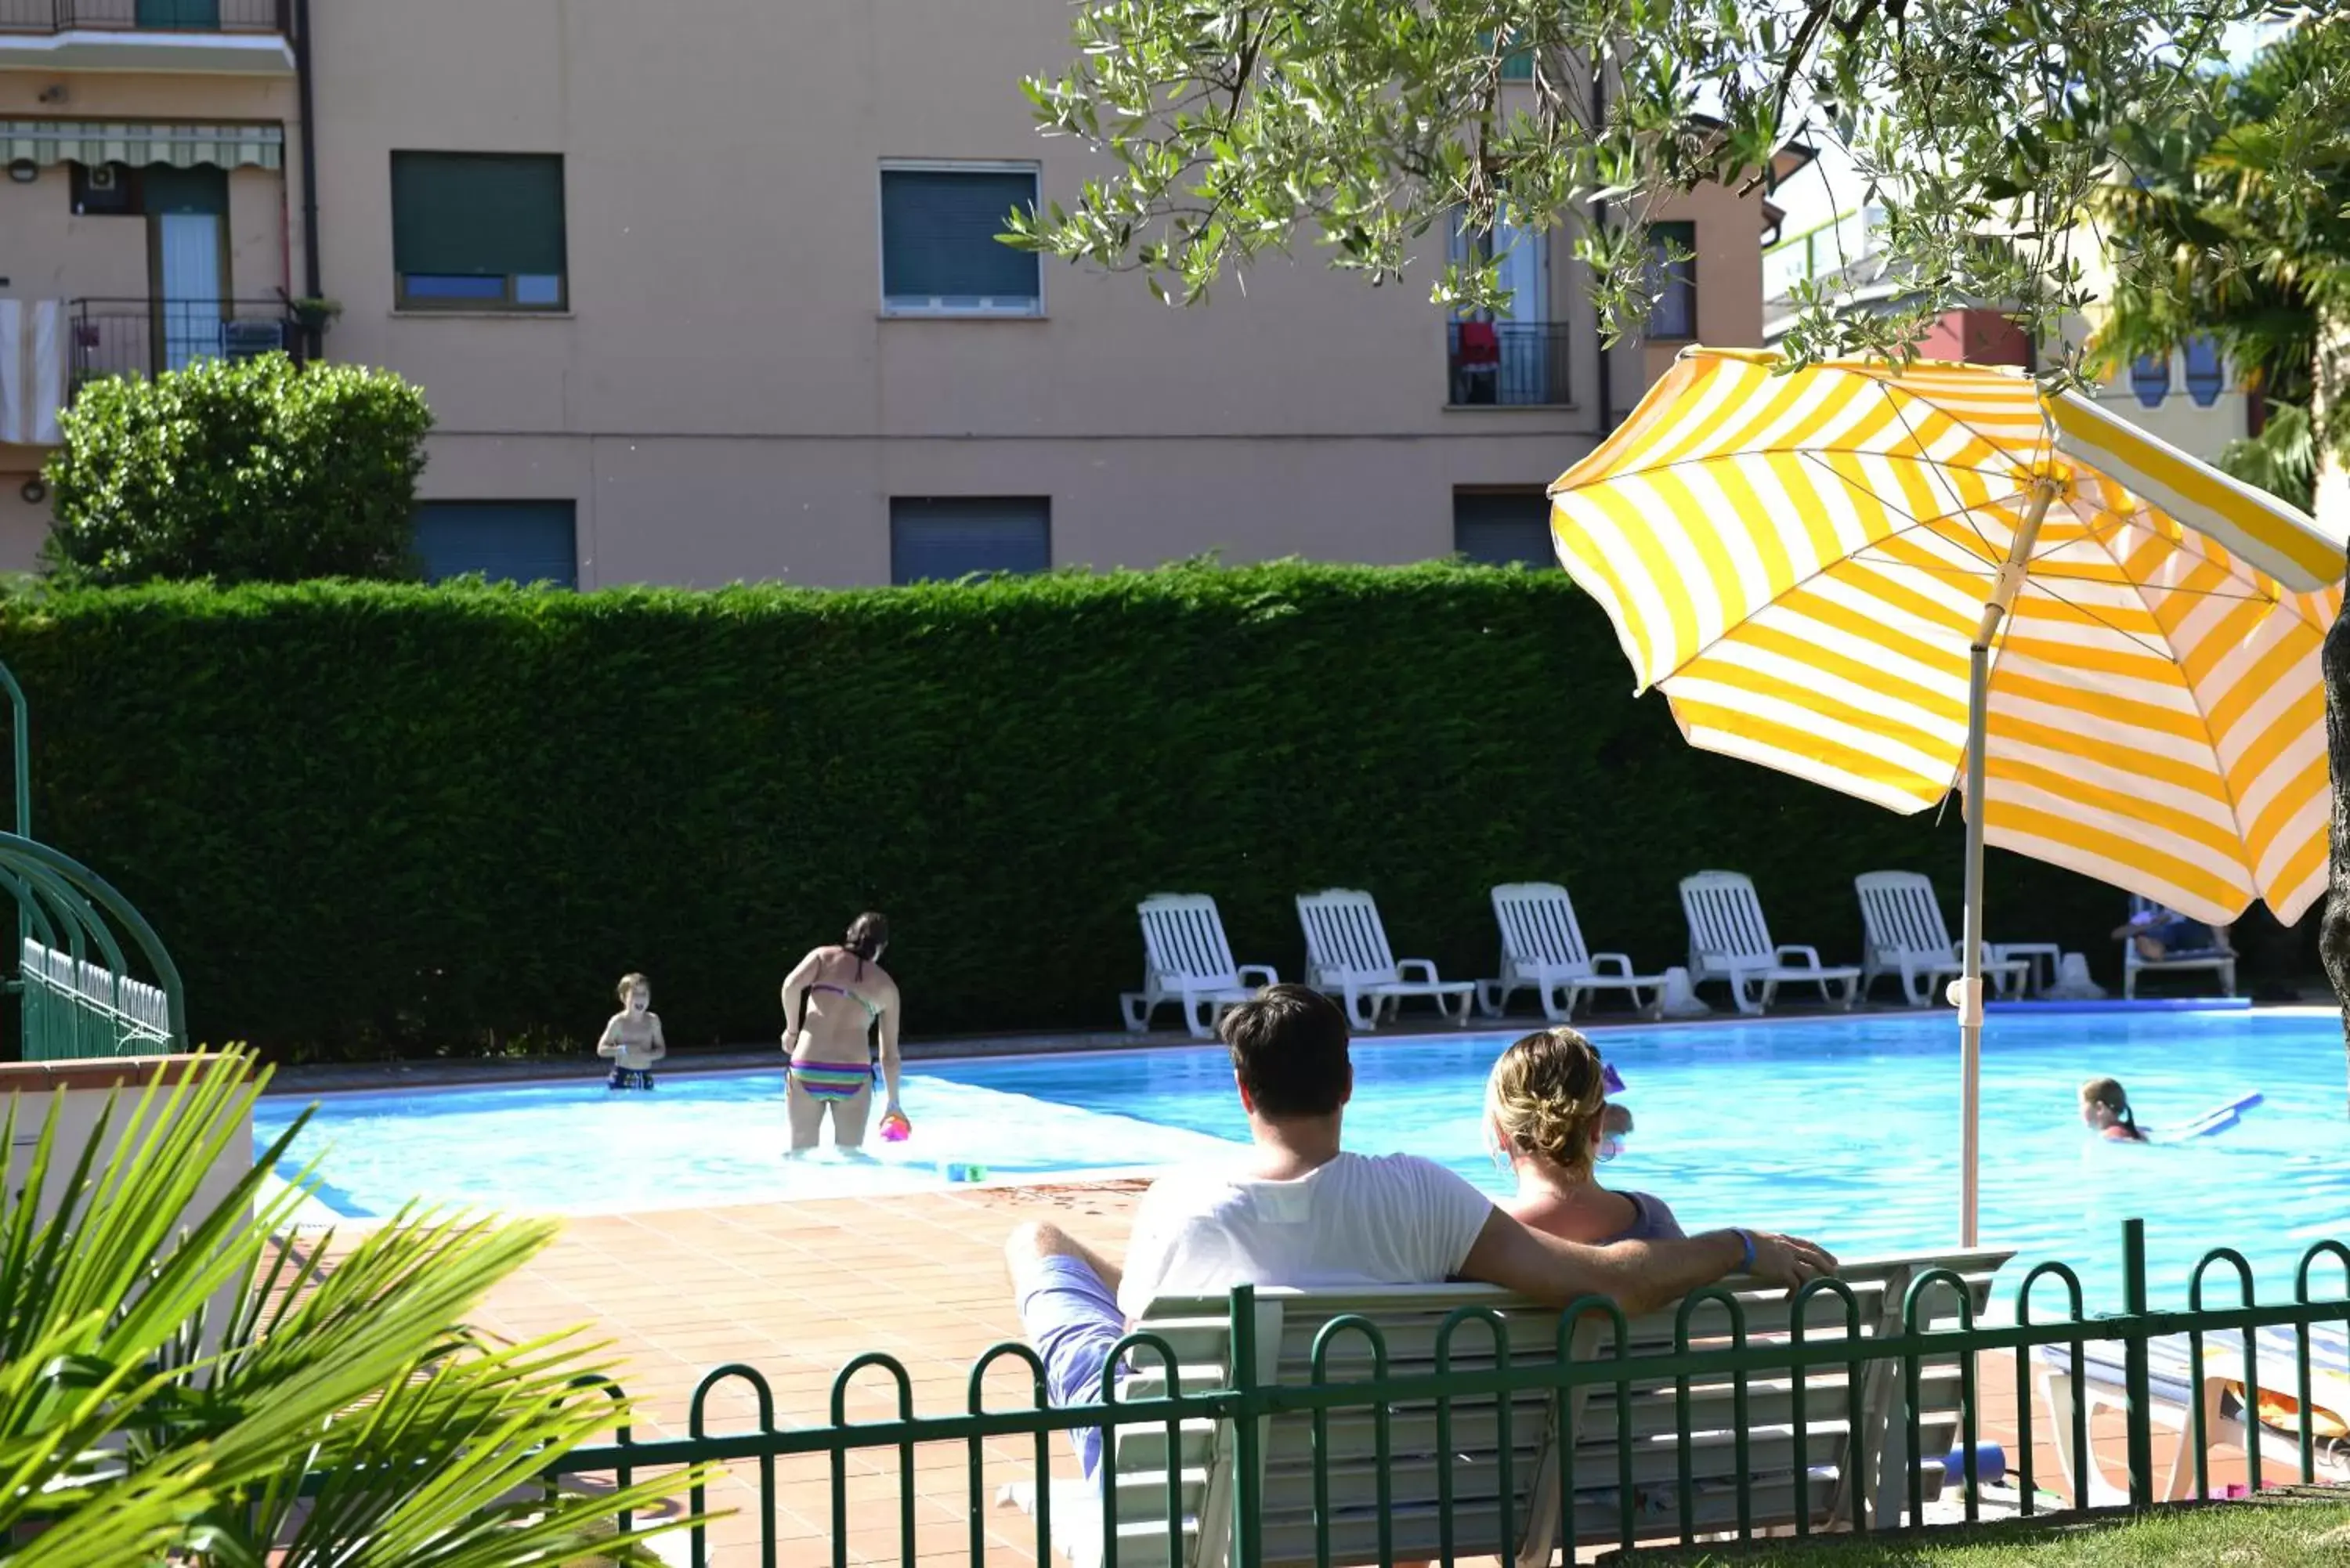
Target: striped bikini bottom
[831, 1080]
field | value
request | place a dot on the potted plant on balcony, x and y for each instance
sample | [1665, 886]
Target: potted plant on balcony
[313, 315]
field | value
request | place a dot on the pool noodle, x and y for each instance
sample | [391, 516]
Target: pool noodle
[2218, 1119]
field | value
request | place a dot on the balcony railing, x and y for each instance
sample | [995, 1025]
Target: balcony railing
[252, 16]
[1508, 363]
[145, 337]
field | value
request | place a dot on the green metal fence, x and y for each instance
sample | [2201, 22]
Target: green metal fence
[860, 1477]
[75, 935]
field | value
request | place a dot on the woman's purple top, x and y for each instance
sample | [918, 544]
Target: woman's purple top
[1651, 1220]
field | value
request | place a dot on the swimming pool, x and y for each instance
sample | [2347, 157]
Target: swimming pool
[1845, 1129]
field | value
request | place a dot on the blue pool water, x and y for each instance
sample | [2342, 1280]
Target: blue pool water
[1842, 1129]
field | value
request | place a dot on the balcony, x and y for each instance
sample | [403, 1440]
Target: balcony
[144, 336]
[1508, 364]
[207, 37]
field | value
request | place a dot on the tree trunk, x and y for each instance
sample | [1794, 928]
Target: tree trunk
[2329, 418]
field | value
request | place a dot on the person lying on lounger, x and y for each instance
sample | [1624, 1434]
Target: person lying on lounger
[2159, 933]
[1547, 1116]
[1298, 1209]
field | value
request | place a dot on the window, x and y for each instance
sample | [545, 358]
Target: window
[940, 254]
[1673, 262]
[106, 190]
[1503, 528]
[933, 538]
[474, 231]
[504, 541]
[2150, 378]
[2207, 375]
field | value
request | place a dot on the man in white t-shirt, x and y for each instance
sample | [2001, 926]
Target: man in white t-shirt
[1301, 1211]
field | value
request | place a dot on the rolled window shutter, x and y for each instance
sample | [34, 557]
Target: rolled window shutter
[477, 215]
[950, 537]
[939, 230]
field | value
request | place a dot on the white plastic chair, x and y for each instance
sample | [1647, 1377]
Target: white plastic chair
[1347, 956]
[1186, 960]
[1903, 932]
[2220, 959]
[1543, 947]
[1730, 942]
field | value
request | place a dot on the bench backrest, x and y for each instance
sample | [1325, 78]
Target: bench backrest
[1900, 914]
[1483, 1436]
[1725, 919]
[1539, 930]
[1184, 940]
[1343, 937]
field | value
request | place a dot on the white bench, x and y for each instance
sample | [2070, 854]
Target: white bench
[1290, 1322]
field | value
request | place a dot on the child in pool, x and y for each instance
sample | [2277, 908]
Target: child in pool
[632, 1041]
[2104, 1105]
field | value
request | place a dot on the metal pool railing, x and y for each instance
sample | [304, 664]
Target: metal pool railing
[1839, 1431]
[75, 1008]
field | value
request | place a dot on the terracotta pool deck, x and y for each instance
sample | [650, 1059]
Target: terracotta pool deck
[795, 1290]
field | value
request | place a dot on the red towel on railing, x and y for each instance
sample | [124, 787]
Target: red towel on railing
[1479, 343]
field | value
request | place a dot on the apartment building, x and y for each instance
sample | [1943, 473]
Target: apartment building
[710, 291]
[2188, 398]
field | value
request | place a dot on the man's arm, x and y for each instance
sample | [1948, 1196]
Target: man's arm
[1639, 1276]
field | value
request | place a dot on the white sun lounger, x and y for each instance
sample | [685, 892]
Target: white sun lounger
[1543, 947]
[2221, 959]
[2175, 1392]
[1290, 1321]
[1904, 933]
[1730, 940]
[1186, 960]
[1347, 956]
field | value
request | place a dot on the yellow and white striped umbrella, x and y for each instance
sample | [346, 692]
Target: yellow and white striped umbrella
[1802, 561]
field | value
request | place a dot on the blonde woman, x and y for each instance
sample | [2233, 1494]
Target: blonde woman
[839, 1006]
[1546, 1113]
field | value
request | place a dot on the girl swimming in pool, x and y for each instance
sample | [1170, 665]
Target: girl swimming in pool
[839, 1006]
[2104, 1105]
[632, 1040]
[1546, 1111]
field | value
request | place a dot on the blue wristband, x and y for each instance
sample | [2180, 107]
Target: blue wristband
[1746, 1264]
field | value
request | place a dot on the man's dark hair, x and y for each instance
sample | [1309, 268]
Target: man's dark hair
[1289, 1051]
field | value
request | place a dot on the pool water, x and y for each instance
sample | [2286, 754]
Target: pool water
[1842, 1129]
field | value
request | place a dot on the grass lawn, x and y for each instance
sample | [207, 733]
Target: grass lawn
[2235, 1535]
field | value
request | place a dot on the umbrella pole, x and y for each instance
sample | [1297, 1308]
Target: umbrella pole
[1969, 992]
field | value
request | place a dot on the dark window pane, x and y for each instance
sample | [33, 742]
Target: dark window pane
[1500, 529]
[445, 285]
[939, 244]
[484, 214]
[201, 15]
[2207, 375]
[1672, 251]
[2150, 378]
[947, 537]
[506, 541]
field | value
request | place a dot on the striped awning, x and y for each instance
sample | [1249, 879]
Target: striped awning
[143, 142]
[1800, 560]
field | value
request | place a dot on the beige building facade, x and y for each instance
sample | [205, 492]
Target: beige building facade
[708, 292]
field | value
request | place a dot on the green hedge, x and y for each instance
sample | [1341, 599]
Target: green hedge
[380, 818]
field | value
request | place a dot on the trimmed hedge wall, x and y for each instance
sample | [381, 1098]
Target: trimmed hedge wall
[373, 818]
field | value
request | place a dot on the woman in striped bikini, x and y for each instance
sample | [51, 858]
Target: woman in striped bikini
[839, 1006]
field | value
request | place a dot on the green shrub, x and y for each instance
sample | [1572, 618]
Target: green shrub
[244, 471]
[370, 818]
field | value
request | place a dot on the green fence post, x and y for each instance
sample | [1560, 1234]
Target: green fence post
[2135, 1376]
[1248, 1457]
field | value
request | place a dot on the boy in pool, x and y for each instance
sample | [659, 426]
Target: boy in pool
[632, 1041]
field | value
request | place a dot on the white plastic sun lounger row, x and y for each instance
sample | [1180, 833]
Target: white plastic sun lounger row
[1187, 961]
[1291, 1322]
[1730, 940]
